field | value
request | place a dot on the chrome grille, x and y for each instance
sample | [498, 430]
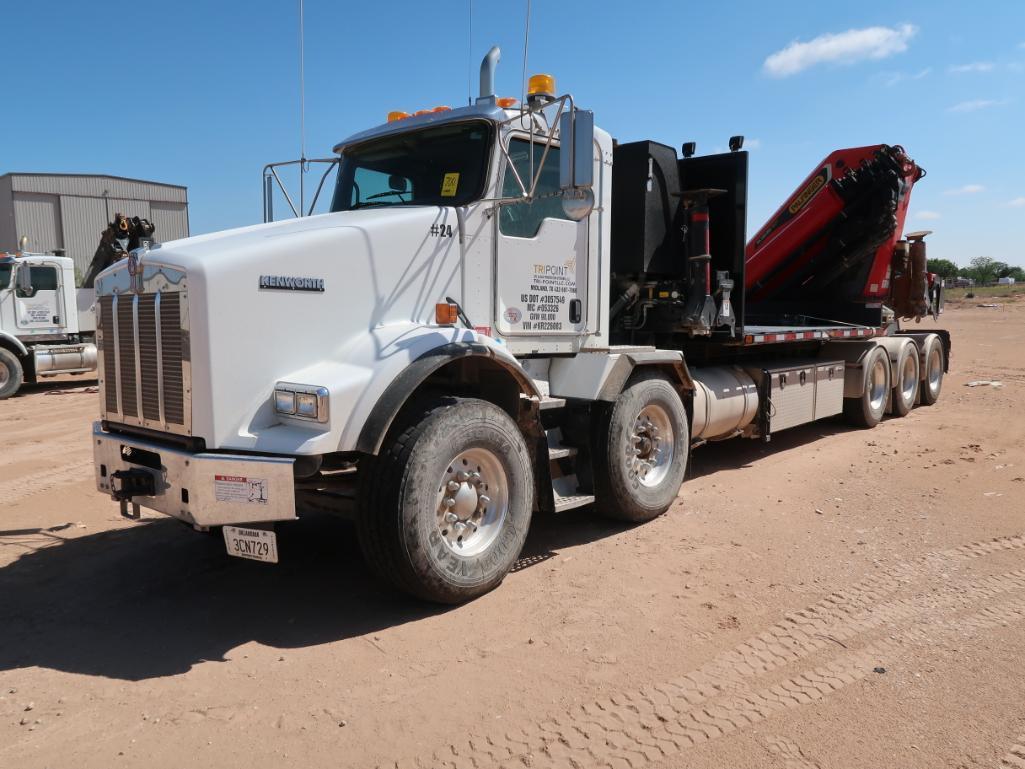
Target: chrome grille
[144, 350]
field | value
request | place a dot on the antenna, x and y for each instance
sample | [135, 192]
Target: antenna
[469, 54]
[523, 83]
[302, 114]
[526, 36]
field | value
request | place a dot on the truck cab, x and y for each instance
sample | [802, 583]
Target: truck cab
[465, 339]
[46, 323]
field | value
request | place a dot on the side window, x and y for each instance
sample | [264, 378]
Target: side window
[43, 279]
[523, 220]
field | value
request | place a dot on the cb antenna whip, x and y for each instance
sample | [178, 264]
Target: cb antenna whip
[526, 36]
[302, 114]
[469, 54]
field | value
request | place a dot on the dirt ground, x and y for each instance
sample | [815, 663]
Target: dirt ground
[836, 598]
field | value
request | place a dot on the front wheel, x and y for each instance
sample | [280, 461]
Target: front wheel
[10, 373]
[640, 450]
[445, 508]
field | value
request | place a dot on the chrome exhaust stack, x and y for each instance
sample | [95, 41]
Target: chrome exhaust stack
[487, 75]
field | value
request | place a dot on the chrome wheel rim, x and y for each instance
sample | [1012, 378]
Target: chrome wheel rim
[909, 378]
[473, 501]
[935, 370]
[652, 446]
[877, 384]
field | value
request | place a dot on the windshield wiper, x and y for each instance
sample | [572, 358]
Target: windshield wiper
[375, 204]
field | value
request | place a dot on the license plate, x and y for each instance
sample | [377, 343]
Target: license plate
[255, 544]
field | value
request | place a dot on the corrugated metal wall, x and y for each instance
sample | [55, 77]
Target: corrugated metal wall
[70, 212]
[97, 186]
[38, 216]
[84, 219]
[7, 236]
[171, 220]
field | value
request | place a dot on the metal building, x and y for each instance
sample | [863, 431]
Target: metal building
[69, 211]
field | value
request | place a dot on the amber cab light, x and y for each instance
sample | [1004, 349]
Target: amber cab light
[541, 85]
[505, 102]
[397, 115]
[446, 314]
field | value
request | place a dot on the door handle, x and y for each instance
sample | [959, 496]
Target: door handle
[574, 310]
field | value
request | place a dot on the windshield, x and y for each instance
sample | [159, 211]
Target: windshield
[440, 166]
[5, 275]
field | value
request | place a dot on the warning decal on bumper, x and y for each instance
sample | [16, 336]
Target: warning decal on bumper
[238, 488]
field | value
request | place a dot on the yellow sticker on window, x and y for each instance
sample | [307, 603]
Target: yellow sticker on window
[449, 185]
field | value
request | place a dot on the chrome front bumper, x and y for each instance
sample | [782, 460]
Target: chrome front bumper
[203, 489]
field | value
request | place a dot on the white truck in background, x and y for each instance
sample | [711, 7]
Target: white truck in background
[46, 324]
[505, 312]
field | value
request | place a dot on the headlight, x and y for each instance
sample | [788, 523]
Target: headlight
[301, 401]
[284, 402]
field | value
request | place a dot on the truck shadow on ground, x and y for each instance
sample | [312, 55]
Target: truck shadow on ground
[737, 454]
[154, 599]
[47, 385]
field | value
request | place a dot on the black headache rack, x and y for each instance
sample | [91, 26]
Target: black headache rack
[679, 237]
[677, 246]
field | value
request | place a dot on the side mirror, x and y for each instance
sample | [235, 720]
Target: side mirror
[24, 280]
[576, 163]
[397, 183]
[576, 160]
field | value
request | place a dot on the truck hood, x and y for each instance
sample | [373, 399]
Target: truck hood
[330, 300]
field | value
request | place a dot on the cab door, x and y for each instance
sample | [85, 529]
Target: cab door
[541, 255]
[39, 307]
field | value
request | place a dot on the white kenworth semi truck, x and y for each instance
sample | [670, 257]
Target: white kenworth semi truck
[46, 324]
[505, 313]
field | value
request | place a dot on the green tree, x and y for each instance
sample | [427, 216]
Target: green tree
[942, 267]
[983, 269]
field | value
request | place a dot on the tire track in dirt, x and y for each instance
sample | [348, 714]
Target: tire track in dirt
[44, 480]
[587, 734]
[627, 732]
[790, 753]
[1015, 758]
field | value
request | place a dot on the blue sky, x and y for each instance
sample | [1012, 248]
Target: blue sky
[203, 94]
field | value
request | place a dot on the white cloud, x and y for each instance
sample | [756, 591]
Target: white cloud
[752, 144]
[840, 48]
[927, 215]
[973, 105]
[968, 189]
[1017, 202]
[894, 78]
[975, 66]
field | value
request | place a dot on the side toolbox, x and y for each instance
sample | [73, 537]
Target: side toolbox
[800, 391]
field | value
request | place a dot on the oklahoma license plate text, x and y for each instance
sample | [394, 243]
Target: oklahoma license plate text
[255, 544]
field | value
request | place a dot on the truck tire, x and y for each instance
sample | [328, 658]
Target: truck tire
[445, 508]
[640, 450]
[11, 373]
[932, 372]
[867, 410]
[905, 388]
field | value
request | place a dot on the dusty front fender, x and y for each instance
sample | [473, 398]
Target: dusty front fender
[12, 343]
[368, 381]
[403, 387]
